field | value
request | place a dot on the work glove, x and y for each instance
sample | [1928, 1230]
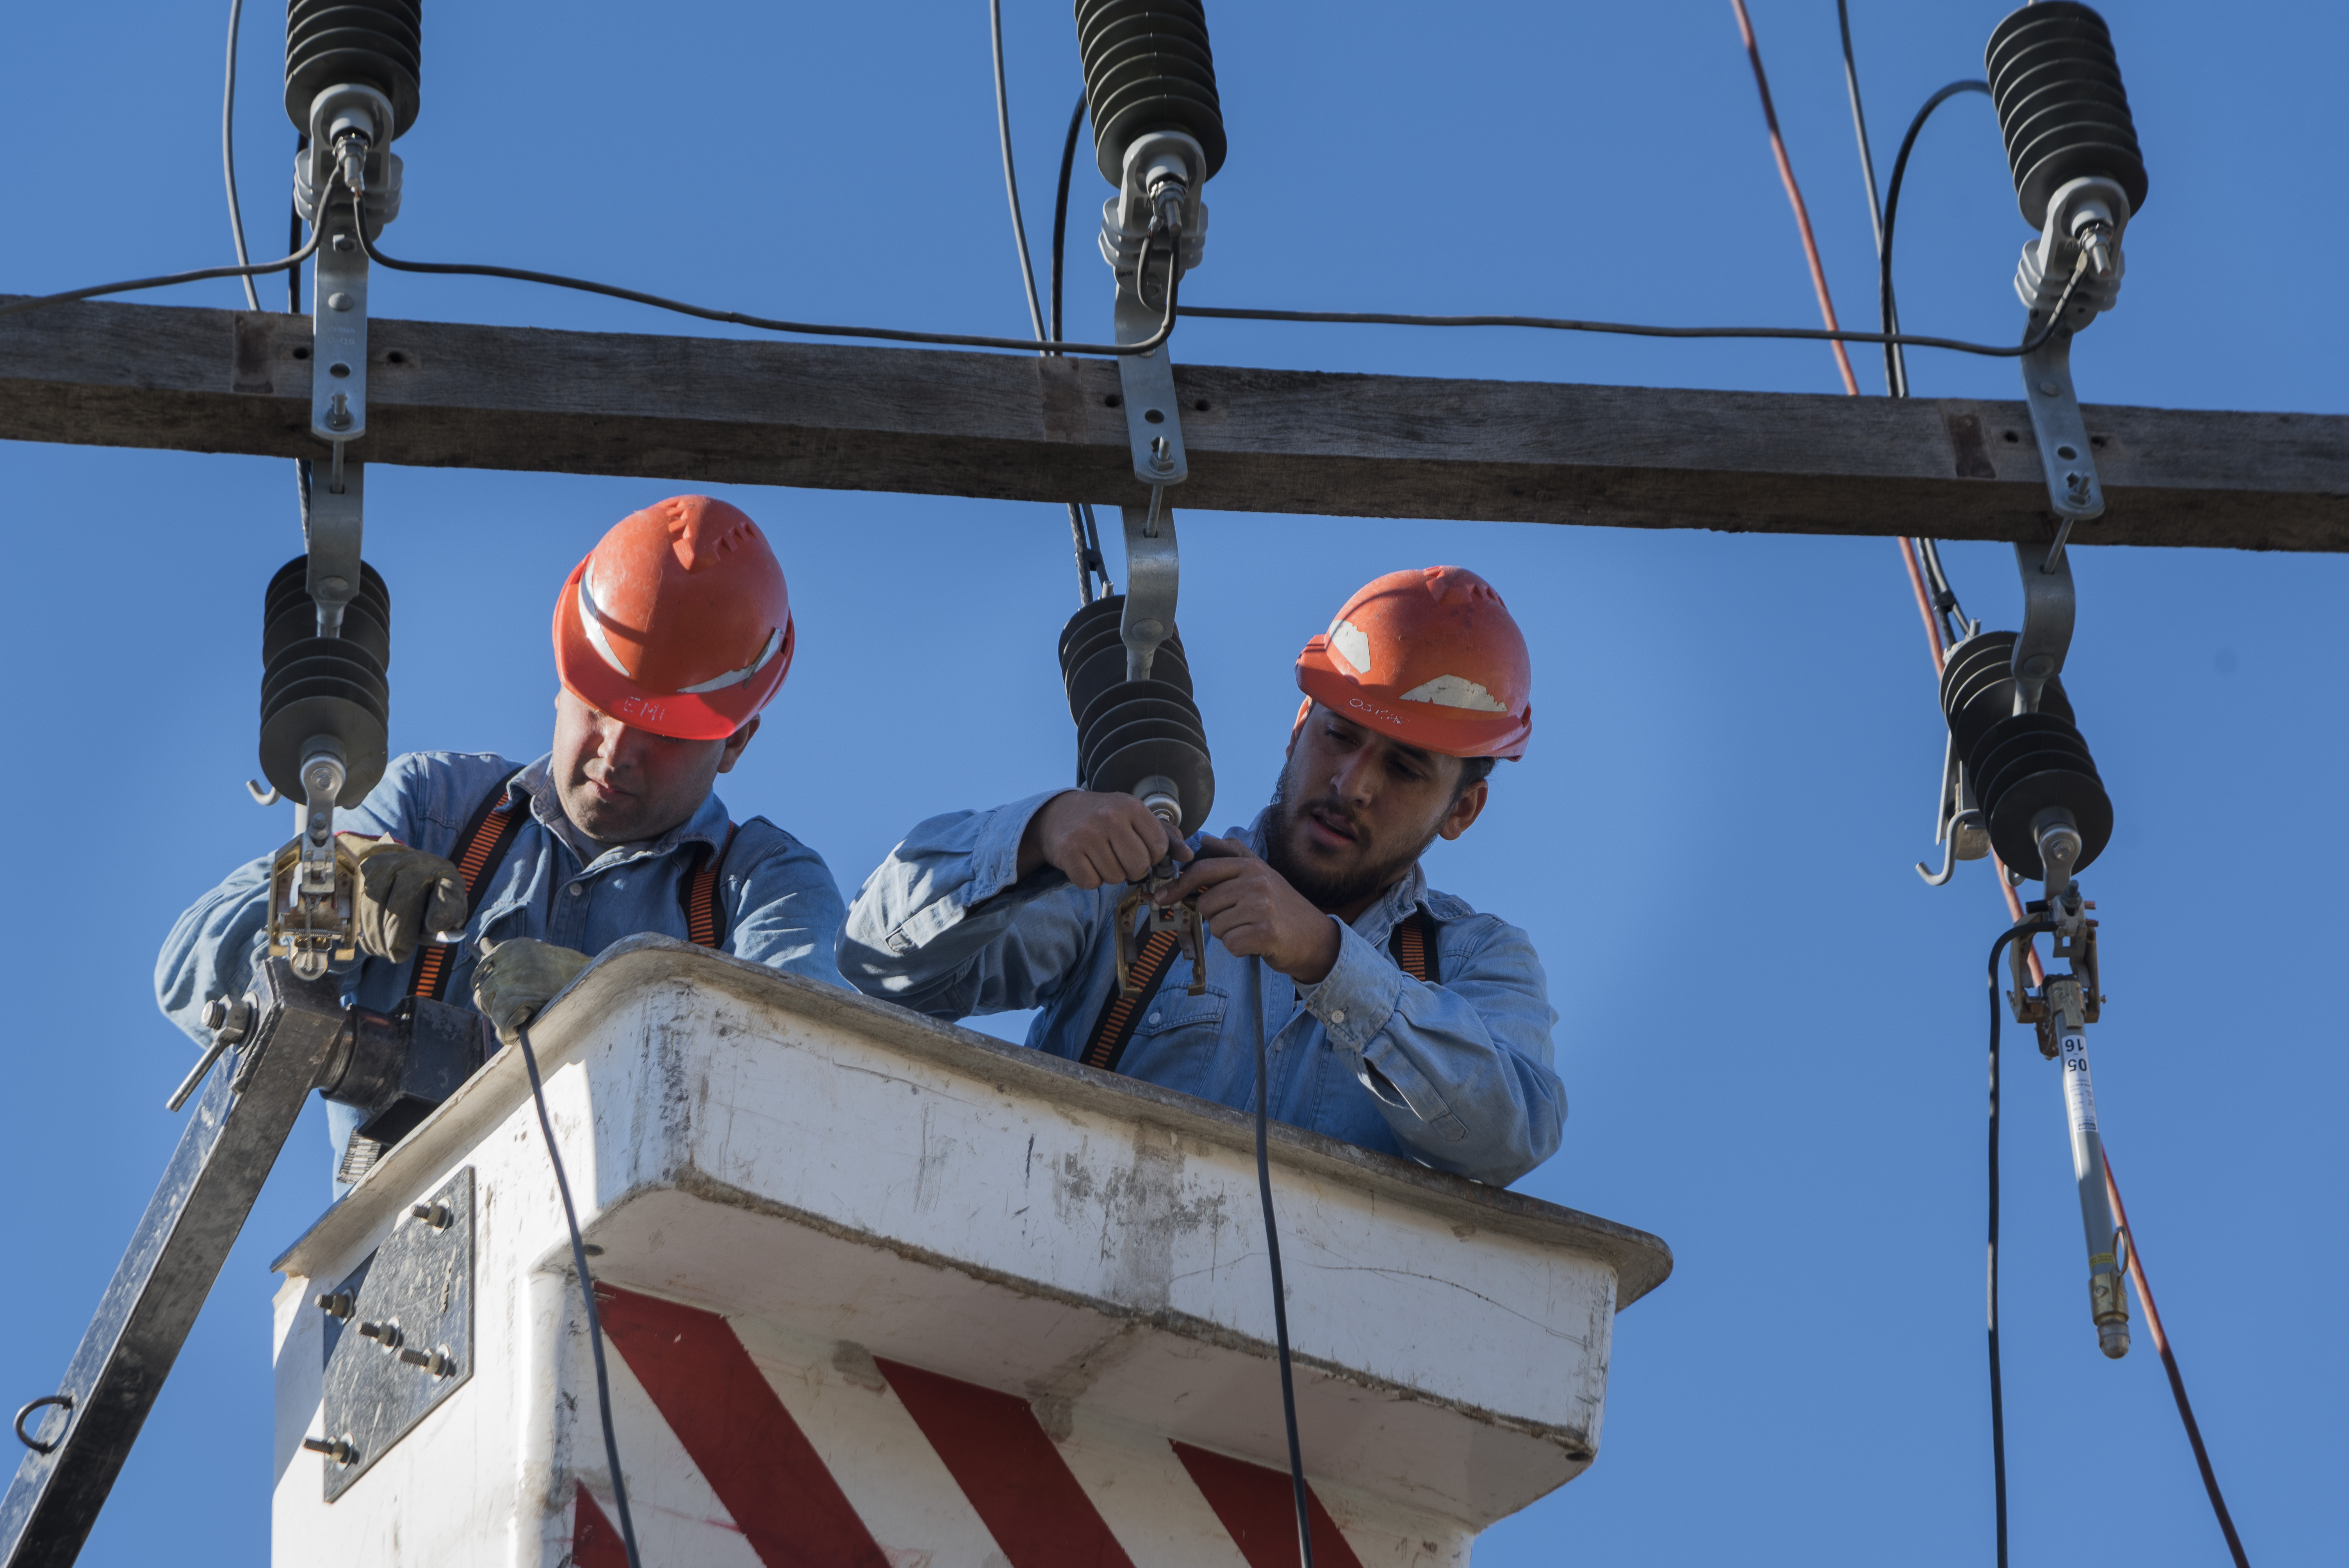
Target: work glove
[405, 896]
[517, 977]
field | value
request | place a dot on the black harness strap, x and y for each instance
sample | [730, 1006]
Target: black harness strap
[481, 849]
[705, 911]
[1413, 946]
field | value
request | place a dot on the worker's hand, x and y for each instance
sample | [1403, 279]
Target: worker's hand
[1251, 909]
[1096, 840]
[405, 896]
[516, 978]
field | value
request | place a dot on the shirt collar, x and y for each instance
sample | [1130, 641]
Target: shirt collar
[1377, 922]
[535, 783]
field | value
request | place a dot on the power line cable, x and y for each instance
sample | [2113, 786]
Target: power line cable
[1997, 1397]
[1559, 323]
[1896, 369]
[1150, 344]
[201, 275]
[587, 1294]
[1010, 179]
[1082, 523]
[1794, 193]
[2177, 1378]
[1279, 1292]
[228, 151]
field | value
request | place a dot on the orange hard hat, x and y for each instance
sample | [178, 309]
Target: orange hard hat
[678, 621]
[1431, 658]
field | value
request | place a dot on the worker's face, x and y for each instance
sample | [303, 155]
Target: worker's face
[1355, 809]
[623, 786]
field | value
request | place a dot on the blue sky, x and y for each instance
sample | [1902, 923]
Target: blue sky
[1771, 1032]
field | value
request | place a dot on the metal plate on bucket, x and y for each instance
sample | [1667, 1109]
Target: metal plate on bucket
[408, 1342]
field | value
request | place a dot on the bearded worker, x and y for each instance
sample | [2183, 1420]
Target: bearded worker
[1396, 1016]
[669, 639]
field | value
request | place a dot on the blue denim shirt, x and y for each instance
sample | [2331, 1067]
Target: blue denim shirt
[782, 906]
[1456, 1075]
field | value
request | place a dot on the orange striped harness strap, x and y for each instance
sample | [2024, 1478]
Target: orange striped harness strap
[705, 915]
[1412, 946]
[479, 849]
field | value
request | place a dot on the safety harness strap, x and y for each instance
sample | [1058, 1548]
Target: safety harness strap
[481, 849]
[1412, 946]
[705, 912]
[1114, 1028]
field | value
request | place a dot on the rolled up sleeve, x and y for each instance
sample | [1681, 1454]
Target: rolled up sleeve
[1461, 1070]
[945, 925]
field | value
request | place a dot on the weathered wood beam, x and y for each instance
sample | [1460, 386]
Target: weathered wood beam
[827, 415]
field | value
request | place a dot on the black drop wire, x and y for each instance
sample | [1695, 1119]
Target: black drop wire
[1082, 523]
[2027, 929]
[293, 307]
[202, 274]
[1623, 329]
[588, 1292]
[1279, 1293]
[1896, 367]
[1010, 178]
[1150, 344]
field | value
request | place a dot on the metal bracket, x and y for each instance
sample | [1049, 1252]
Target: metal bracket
[338, 325]
[2048, 610]
[2073, 492]
[1157, 207]
[400, 1335]
[1147, 382]
[1153, 576]
[333, 529]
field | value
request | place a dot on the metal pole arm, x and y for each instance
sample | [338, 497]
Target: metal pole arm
[178, 1251]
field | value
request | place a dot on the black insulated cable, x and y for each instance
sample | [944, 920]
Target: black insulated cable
[201, 275]
[1279, 1293]
[1626, 329]
[1896, 368]
[1061, 207]
[1150, 344]
[2025, 929]
[587, 1294]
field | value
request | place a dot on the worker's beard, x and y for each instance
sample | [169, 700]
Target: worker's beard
[1359, 878]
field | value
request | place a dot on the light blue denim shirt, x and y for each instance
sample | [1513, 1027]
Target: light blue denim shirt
[782, 906]
[1456, 1075]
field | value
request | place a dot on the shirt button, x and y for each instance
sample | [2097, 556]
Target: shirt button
[575, 890]
[1338, 1015]
[1154, 1017]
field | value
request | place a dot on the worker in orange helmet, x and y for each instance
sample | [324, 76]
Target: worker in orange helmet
[1398, 1017]
[669, 639]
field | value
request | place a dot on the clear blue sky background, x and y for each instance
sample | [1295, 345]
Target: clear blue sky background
[1772, 1033]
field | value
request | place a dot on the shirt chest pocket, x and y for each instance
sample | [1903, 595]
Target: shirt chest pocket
[1174, 1017]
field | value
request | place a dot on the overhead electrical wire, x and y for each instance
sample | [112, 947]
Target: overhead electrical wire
[1558, 324]
[1082, 523]
[1150, 344]
[1936, 601]
[1011, 179]
[587, 1293]
[201, 275]
[228, 151]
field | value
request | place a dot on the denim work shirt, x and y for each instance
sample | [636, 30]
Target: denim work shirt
[1454, 1075]
[782, 906]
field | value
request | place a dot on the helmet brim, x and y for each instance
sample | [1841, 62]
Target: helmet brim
[1430, 726]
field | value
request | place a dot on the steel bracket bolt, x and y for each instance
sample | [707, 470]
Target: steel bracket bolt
[436, 1362]
[336, 1303]
[436, 1215]
[384, 1334]
[338, 1449]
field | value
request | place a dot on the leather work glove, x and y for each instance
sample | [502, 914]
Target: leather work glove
[405, 896]
[517, 977]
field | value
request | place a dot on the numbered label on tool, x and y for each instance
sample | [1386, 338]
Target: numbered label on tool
[2079, 1094]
